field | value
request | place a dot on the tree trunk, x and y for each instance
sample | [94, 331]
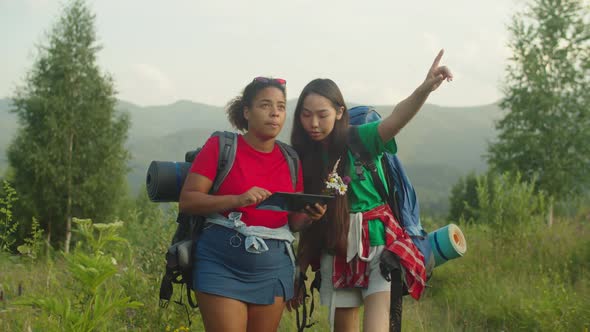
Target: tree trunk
[69, 197]
[550, 214]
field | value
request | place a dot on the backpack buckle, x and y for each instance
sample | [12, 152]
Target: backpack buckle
[358, 169]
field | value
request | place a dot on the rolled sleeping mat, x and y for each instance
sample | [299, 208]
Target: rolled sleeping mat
[447, 243]
[165, 179]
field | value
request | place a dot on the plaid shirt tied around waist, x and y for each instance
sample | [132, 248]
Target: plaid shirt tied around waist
[355, 273]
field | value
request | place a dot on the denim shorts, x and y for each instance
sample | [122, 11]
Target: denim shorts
[223, 267]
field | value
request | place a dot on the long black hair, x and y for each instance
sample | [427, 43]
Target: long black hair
[330, 233]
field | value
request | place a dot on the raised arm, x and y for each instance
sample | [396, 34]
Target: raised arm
[406, 109]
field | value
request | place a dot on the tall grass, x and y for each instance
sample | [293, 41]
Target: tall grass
[533, 278]
[530, 278]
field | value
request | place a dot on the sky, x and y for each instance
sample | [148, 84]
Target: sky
[377, 51]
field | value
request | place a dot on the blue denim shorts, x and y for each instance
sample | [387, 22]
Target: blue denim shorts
[223, 267]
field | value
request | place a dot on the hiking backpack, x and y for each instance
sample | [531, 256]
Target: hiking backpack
[401, 197]
[179, 257]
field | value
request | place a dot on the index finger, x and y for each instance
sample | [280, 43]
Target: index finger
[437, 59]
[320, 207]
[265, 192]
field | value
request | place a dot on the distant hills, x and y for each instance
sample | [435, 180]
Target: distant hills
[437, 147]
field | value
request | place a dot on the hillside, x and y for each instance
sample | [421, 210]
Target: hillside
[440, 145]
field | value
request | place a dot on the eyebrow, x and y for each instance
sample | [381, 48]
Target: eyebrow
[318, 111]
[270, 101]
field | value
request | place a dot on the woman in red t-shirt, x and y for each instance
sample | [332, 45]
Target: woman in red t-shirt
[244, 266]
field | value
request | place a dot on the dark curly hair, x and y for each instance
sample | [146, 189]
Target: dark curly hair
[235, 108]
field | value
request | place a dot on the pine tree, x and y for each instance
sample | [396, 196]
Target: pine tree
[68, 156]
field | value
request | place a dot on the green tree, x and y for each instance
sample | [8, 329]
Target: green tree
[545, 133]
[463, 198]
[68, 156]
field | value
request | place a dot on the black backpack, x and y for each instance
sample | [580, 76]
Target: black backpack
[179, 257]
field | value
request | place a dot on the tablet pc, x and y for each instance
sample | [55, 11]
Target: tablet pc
[291, 202]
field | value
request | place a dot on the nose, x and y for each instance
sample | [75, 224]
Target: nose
[274, 112]
[315, 122]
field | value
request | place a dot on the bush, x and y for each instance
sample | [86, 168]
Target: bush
[8, 226]
[500, 201]
[505, 201]
[463, 199]
[93, 304]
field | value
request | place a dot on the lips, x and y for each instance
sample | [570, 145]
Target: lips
[315, 134]
[273, 124]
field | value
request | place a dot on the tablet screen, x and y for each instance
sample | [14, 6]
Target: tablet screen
[291, 202]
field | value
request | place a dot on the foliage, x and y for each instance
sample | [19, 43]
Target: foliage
[68, 155]
[545, 132]
[500, 201]
[506, 201]
[8, 226]
[533, 278]
[463, 199]
[107, 240]
[34, 243]
[150, 218]
[90, 267]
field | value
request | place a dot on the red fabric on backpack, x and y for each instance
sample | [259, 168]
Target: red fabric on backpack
[356, 274]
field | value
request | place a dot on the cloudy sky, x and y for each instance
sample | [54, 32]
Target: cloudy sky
[377, 51]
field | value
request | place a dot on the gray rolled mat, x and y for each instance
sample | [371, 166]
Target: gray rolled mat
[165, 179]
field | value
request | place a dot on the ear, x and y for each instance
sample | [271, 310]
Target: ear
[246, 113]
[339, 112]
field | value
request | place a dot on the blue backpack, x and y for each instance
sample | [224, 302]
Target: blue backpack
[401, 196]
[403, 201]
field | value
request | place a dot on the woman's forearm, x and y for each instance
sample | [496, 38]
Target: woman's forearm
[198, 203]
[402, 113]
[405, 110]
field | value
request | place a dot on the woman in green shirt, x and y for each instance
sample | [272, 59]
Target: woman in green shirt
[358, 224]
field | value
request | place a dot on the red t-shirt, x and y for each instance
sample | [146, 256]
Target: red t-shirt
[268, 170]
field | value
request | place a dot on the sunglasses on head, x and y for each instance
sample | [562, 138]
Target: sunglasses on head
[279, 81]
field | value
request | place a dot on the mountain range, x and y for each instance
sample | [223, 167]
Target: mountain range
[437, 147]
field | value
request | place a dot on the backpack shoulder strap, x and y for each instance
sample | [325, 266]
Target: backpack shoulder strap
[292, 160]
[193, 225]
[356, 145]
[363, 159]
[228, 145]
[360, 153]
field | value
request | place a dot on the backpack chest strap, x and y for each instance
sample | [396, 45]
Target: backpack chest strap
[363, 159]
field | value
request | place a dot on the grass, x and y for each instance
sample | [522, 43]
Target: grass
[530, 278]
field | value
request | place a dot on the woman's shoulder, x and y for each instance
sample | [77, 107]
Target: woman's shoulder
[368, 135]
[365, 133]
[369, 126]
[214, 141]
